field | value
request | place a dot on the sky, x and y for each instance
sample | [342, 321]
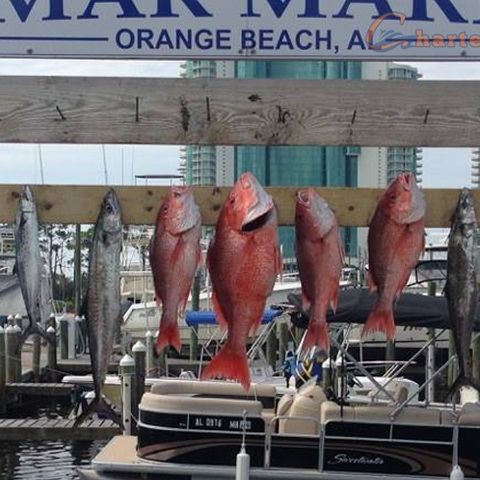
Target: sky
[83, 164]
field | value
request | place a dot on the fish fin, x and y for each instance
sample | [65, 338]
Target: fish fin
[317, 335]
[230, 365]
[169, 335]
[380, 320]
[100, 406]
[460, 382]
[218, 311]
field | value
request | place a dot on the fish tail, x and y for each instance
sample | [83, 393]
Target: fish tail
[99, 406]
[380, 320]
[229, 364]
[32, 330]
[169, 335]
[317, 335]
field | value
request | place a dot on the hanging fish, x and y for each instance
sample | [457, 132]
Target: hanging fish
[30, 264]
[103, 298]
[243, 261]
[461, 288]
[396, 239]
[174, 257]
[320, 257]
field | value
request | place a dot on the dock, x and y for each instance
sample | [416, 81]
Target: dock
[14, 429]
[40, 389]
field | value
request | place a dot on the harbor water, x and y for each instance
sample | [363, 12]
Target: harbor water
[44, 460]
[48, 460]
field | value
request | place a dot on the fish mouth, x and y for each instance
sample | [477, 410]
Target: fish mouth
[258, 222]
[261, 203]
[303, 197]
[179, 191]
[407, 180]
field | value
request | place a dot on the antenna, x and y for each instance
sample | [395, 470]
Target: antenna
[40, 161]
[105, 164]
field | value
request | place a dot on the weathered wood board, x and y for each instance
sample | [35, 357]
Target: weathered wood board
[80, 204]
[239, 112]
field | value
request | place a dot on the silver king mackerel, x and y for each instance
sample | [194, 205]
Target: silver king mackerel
[29, 263]
[103, 298]
[461, 289]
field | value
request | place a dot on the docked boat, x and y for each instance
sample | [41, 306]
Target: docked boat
[193, 430]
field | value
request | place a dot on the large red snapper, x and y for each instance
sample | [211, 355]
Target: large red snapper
[396, 239]
[243, 260]
[320, 258]
[174, 257]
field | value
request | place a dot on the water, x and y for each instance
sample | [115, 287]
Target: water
[44, 460]
[34, 460]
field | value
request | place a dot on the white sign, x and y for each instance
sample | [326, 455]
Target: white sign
[238, 29]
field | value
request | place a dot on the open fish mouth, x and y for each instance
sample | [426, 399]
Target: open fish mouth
[258, 222]
[407, 180]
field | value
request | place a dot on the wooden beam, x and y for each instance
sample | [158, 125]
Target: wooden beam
[80, 204]
[242, 112]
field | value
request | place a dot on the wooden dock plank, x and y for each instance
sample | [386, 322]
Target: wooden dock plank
[80, 204]
[240, 111]
[55, 429]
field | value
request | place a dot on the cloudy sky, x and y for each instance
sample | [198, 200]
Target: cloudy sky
[84, 163]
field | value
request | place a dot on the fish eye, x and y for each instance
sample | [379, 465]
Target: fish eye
[165, 208]
[177, 194]
[109, 208]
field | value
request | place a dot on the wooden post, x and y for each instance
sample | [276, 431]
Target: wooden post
[77, 274]
[476, 358]
[139, 353]
[195, 308]
[18, 353]
[430, 360]
[272, 348]
[19, 321]
[64, 338]
[52, 354]
[149, 360]
[10, 320]
[10, 352]
[36, 357]
[3, 378]
[389, 353]
[282, 328]
[127, 370]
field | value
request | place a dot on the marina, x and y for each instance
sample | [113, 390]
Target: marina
[232, 254]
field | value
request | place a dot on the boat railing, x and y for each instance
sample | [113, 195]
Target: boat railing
[392, 376]
[432, 378]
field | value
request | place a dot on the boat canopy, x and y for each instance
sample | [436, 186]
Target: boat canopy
[411, 310]
[209, 318]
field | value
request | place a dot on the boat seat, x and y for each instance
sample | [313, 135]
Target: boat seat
[470, 414]
[189, 387]
[408, 415]
[188, 404]
[306, 403]
[332, 412]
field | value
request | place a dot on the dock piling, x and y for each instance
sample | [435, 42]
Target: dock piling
[36, 357]
[52, 354]
[127, 370]
[149, 360]
[19, 321]
[10, 353]
[139, 353]
[63, 338]
[18, 353]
